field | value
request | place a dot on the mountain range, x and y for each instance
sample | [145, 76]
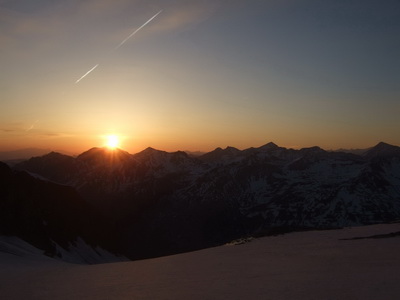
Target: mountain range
[156, 203]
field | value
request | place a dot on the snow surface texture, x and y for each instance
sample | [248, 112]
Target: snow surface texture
[78, 252]
[303, 265]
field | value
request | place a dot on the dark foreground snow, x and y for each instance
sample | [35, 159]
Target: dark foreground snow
[304, 265]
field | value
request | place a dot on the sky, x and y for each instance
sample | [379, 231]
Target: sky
[201, 74]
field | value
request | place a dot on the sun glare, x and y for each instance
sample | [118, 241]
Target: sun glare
[112, 141]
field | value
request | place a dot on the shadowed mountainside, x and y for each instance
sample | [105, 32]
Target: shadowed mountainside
[52, 218]
[165, 203]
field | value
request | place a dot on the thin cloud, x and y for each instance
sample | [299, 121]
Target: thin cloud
[53, 134]
[179, 17]
[19, 27]
[12, 127]
[61, 22]
[31, 130]
[104, 7]
[7, 130]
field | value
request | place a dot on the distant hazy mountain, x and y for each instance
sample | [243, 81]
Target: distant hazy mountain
[195, 153]
[22, 153]
[15, 156]
[165, 203]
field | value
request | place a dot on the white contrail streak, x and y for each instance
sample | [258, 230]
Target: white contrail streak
[123, 42]
[133, 33]
[87, 73]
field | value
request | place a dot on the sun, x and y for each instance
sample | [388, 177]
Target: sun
[112, 141]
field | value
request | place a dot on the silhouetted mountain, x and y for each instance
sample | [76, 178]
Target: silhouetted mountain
[219, 155]
[268, 147]
[163, 161]
[54, 166]
[52, 218]
[22, 153]
[383, 150]
[105, 157]
[166, 203]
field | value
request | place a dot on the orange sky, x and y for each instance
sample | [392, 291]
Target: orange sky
[201, 75]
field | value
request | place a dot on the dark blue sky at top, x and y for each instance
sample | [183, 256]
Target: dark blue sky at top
[343, 44]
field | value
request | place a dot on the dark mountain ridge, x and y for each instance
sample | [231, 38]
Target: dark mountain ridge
[52, 218]
[383, 150]
[163, 203]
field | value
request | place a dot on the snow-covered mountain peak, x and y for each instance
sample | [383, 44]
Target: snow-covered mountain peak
[182, 203]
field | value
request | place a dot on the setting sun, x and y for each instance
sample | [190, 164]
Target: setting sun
[112, 141]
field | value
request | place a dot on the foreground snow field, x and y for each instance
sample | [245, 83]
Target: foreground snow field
[303, 265]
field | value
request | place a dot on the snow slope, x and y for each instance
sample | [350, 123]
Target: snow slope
[303, 265]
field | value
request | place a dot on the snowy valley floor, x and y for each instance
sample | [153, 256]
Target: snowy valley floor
[302, 265]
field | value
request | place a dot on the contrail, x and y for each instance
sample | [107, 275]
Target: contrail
[123, 42]
[87, 73]
[133, 33]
